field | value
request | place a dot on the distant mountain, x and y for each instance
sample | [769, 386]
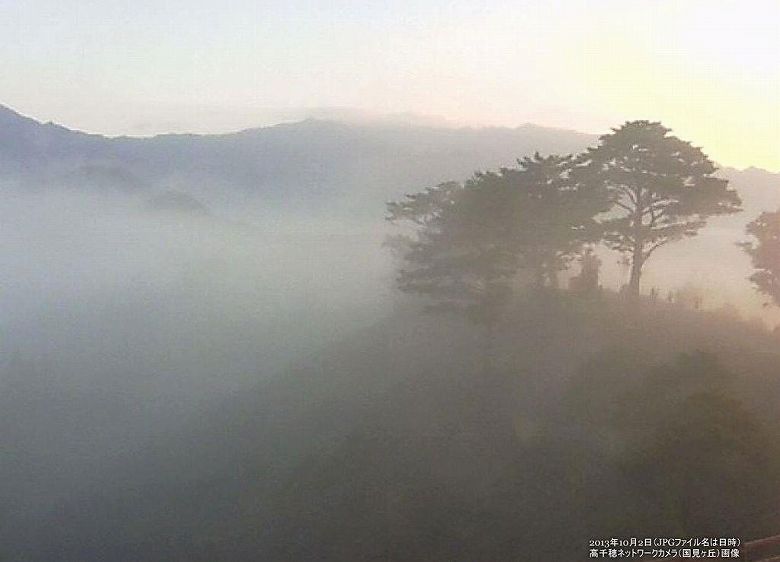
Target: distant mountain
[30, 149]
[327, 165]
[759, 189]
[313, 162]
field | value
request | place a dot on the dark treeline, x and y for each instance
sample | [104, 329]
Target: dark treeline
[637, 191]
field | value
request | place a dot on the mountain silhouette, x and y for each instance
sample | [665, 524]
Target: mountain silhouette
[313, 161]
[315, 164]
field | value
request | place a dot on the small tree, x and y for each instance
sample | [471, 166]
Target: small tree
[661, 188]
[587, 281]
[764, 251]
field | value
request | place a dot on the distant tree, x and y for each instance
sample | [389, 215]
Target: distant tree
[690, 296]
[764, 251]
[454, 255]
[661, 189]
[469, 241]
[552, 214]
[587, 282]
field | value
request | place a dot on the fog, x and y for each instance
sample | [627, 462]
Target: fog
[213, 347]
[126, 320]
[711, 265]
[430, 280]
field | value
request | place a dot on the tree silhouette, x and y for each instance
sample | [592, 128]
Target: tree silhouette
[764, 251]
[552, 214]
[470, 241]
[661, 189]
[455, 255]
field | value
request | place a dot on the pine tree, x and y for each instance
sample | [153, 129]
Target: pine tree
[661, 188]
[469, 241]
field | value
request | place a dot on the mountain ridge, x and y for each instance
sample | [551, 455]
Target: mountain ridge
[315, 165]
[392, 121]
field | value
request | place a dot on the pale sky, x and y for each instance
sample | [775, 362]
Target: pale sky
[710, 70]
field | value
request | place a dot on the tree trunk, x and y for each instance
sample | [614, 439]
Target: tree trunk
[636, 274]
[638, 257]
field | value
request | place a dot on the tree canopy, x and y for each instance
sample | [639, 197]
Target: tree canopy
[661, 189]
[453, 257]
[764, 251]
[470, 240]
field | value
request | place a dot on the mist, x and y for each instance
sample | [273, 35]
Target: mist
[218, 347]
[102, 269]
[123, 318]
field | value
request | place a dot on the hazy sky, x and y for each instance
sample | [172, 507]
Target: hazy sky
[709, 70]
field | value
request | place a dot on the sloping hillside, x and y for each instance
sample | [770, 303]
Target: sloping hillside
[400, 444]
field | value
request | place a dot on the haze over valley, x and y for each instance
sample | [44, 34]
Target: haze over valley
[442, 281]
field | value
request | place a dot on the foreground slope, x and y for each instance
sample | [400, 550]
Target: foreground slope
[402, 444]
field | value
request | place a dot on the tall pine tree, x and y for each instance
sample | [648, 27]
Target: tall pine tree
[661, 189]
